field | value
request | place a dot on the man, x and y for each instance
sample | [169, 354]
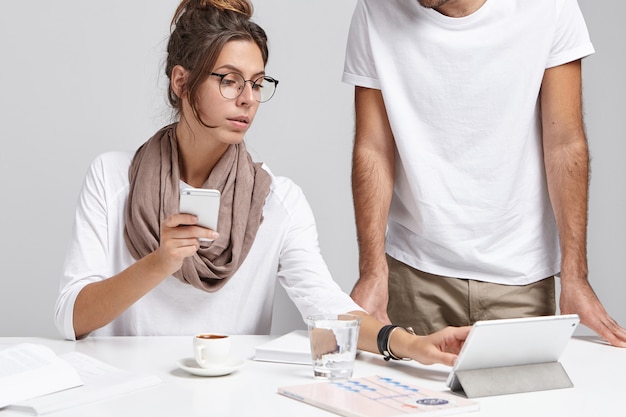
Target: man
[470, 165]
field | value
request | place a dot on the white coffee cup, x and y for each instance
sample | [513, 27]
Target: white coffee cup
[211, 349]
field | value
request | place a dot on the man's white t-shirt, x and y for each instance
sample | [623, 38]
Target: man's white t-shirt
[470, 197]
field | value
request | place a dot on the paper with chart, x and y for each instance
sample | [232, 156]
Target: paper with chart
[377, 396]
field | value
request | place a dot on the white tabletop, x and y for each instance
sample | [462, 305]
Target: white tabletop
[597, 371]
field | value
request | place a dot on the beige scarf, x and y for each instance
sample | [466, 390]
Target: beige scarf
[154, 194]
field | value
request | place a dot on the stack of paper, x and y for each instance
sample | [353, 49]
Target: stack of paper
[293, 347]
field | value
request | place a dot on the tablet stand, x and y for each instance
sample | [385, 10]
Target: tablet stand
[513, 379]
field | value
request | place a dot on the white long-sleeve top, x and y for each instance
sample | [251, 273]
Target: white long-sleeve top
[286, 248]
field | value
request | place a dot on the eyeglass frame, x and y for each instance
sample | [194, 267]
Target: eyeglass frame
[253, 84]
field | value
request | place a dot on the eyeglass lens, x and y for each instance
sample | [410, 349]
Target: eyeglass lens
[233, 84]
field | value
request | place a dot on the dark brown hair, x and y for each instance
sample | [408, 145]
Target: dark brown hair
[198, 32]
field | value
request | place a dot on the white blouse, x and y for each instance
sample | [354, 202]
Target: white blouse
[286, 248]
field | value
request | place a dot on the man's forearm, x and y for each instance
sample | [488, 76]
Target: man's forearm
[372, 186]
[566, 157]
[373, 170]
[567, 168]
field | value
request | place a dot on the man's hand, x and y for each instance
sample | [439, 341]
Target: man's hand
[579, 298]
[323, 342]
[372, 294]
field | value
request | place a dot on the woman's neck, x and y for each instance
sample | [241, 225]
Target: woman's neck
[197, 154]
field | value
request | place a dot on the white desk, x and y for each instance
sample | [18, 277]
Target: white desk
[597, 371]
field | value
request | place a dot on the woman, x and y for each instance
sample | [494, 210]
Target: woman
[136, 266]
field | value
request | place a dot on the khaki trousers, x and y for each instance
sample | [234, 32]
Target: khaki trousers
[430, 302]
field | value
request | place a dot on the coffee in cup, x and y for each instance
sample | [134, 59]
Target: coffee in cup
[211, 349]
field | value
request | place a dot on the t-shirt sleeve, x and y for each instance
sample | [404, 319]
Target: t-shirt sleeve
[359, 65]
[571, 37]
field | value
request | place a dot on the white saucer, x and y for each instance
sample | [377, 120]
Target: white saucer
[190, 365]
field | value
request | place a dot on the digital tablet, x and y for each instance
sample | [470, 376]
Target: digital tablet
[510, 342]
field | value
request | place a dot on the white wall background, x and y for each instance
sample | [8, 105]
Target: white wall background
[80, 77]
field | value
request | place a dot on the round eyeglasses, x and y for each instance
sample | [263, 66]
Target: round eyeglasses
[233, 84]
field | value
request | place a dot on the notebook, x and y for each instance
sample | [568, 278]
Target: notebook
[511, 342]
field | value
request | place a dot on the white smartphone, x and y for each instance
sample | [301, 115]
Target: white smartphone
[204, 203]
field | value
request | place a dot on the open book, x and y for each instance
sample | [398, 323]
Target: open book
[29, 370]
[293, 347]
[80, 379]
[377, 396]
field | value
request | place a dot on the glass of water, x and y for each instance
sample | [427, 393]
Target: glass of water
[333, 340]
